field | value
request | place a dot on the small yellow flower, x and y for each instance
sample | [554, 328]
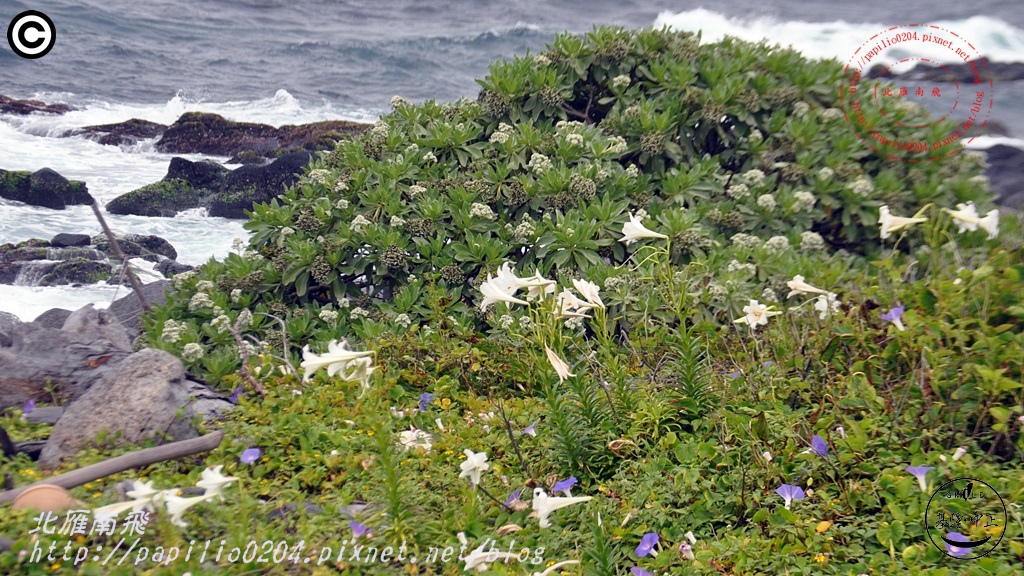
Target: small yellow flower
[80, 538]
[369, 433]
[445, 403]
[97, 494]
[821, 558]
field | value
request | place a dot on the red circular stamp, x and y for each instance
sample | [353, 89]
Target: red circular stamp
[887, 109]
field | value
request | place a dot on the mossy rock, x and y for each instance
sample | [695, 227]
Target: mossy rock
[44, 188]
[164, 198]
[77, 271]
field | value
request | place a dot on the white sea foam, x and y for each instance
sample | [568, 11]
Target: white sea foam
[995, 39]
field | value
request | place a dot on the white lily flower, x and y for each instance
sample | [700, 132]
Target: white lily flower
[214, 482]
[473, 466]
[561, 368]
[142, 490]
[841, 431]
[414, 438]
[359, 370]
[544, 505]
[569, 303]
[767, 456]
[757, 314]
[590, 292]
[689, 535]
[499, 289]
[826, 304]
[967, 219]
[635, 230]
[176, 506]
[959, 453]
[481, 559]
[336, 359]
[890, 223]
[798, 286]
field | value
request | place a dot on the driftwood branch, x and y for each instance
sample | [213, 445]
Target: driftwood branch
[125, 267]
[236, 331]
[120, 463]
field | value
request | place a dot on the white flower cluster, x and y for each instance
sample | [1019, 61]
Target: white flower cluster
[318, 176]
[803, 201]
[737, 266]
[746, 241]
[397, 222]
[617, 145]
[769, 295]
[204, 286]
[776, 245]
[343, 303]
[199, 301]
[825, 173]
[358, 222]
[539, 163]
[173, 330]
[641, 214]
[328, 315]
[379, 130]
[767, 201]
[753, 177]
[236, 295]
[237, 244]
[506, 321]
[832, 114]
[403, 320]
[478, 210]
[180, 279]
[979, 181]
[542, 60]
[800, 109]
[862, 186]
[341, 204]
[525, 231]
[499, 138]
[574, 324]
[612, 282]
[429, 157]
[620, 81]
[340, 186]
[358, 312]
[287, 231]
[398, 102]
[575, 139]
[415, 190]
[716, 290]
[412, 149]
[811, 241]
[738, 191]
[221, 323]
[632, 170]
[756, 136]
[192, 352]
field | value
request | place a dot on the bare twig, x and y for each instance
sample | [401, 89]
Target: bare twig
[125, 267]
[284, 342]
[511, 436]
[120, 463]
[243, 349]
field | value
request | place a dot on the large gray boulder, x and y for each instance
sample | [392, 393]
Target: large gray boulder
[145, 397]
[38, 361]
[128, 309]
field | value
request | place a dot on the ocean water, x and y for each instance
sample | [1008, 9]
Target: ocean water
[295, 61]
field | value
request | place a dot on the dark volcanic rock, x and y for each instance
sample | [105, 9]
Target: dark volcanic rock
[128, 132]
[203, 174]
[44, 188]
[254, 184]
[145, 246]
[64, 240]
[171, 267]
[959, 72]
[76, 271]
[164, 198]
[1005, 176]
[12, 106]
[203, 133]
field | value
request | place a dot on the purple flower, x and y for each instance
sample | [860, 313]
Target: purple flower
[818, 446]
[920, 472]
[734, 374]
[235, 395]
[790, 493]
[893, 315]
[956, 550]
[638, 571]
[647, 544]
[564, 485]
[425, 399]
[512, 498]
[29, 407]
[530, 430]
[249, 456]
[358, 530]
